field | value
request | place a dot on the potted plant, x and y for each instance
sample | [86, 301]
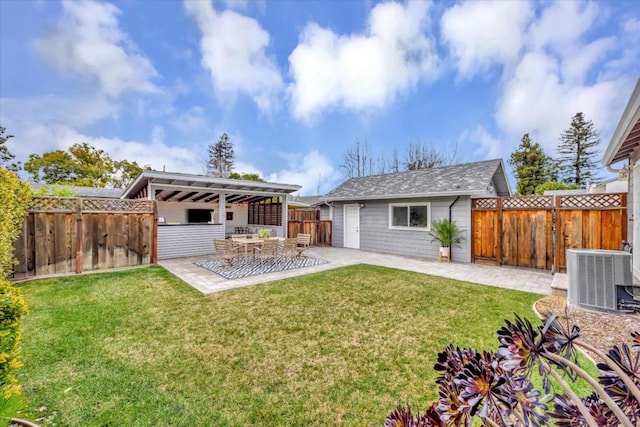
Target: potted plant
[264, 233]
[446, 233]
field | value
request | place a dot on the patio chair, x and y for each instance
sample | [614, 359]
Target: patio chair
[225, 250]
[268, 250]
[302, 243]
[289, 248]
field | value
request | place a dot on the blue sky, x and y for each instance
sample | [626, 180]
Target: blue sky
[295, 83]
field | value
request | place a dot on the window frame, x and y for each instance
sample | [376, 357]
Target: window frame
[409, 206]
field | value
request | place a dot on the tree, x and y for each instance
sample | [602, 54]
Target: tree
[421, 156]
[531, 166]
[82, 165]
[554, 185]
[5, 155]
[246, 176]
[578, 151]
[356, 160]
[221, 157]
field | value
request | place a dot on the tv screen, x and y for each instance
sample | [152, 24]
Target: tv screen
[198, 215]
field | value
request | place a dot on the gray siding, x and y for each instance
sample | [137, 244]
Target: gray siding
[376, 236]
[337, 235]
[177, 241]
[325, 213]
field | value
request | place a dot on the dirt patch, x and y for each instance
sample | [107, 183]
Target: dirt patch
[601, 329]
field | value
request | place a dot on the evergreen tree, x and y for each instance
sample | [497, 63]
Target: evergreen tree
[5, 155]
[578, 151]
[221, 157]
[531, 166]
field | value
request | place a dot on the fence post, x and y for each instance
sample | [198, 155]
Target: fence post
[499, 231]
[557, 235]
[79, 236]
[154, 248]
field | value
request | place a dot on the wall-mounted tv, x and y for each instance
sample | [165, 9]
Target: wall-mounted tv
[198, 216]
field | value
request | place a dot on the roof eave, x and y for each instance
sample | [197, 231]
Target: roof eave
[629, 118]
[405, 196]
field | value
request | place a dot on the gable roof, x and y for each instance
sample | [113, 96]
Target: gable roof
[473, 179]
[626, 138]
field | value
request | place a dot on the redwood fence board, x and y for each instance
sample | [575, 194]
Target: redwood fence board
[66, 235]
[320, 231]
[519, 231]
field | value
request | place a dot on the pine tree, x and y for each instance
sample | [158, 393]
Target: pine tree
[221, 157]
[531, 166]
[578, 151]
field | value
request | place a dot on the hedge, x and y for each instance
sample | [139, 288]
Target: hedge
[15, 197]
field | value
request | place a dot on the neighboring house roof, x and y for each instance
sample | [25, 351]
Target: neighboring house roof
[626, 138]
[103, 193]
[182, 187]
[309, 200]
[474, 179]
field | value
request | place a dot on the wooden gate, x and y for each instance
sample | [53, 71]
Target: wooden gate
[535, 231]
[66, 235]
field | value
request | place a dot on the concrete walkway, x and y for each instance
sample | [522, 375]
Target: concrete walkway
[506, 277]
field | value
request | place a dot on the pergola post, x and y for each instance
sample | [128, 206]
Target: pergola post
[222, 211]
[285, 215]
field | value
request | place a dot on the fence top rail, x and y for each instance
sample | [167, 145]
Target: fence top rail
[87, 204]
[575, 201]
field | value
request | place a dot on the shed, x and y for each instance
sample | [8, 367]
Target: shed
[392, 213]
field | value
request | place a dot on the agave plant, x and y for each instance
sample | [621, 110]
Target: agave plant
[496, 388]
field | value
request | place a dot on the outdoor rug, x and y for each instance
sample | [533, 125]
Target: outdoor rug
[239, 270]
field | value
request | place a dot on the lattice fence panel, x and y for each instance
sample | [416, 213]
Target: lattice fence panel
[592, 201]
[485, 203]
[52, 204]
[529, 202]
[116, 205]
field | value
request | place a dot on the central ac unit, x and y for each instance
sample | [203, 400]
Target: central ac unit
[596, 277]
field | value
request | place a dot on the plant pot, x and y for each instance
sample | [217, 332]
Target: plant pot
[444, 252]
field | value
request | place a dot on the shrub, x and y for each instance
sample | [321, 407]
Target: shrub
[555, 185]
[55, 190]
[15, 196]
[496, 387]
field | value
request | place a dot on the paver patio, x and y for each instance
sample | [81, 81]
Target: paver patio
[506, 277]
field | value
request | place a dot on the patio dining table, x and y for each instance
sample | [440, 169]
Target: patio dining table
[251, 242]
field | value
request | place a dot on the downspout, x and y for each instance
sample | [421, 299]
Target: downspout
[450, 218]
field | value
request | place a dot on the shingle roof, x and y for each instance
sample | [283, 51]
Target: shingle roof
[464, 179]
[106, 193]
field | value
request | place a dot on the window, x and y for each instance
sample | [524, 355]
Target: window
[410, 216]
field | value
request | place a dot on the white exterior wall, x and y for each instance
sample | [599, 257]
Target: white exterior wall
[633, 213]
[376, 236]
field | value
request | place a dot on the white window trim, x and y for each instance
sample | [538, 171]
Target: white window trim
[408, 205]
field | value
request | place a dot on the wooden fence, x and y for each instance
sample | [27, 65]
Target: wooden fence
[66, 234]
[536, 231]
[320, 231]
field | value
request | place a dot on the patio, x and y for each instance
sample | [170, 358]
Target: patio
[511, 278]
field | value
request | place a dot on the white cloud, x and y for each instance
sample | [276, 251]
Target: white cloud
[311, 171]
[190, 121]
[481, 34]
[562, 23]
[363, 71]
[536, 100]
[489, 146]
[89, 43]
[233, 49]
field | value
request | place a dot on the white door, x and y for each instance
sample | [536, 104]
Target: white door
[352, 226]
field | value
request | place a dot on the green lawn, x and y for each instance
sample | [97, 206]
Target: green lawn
[142, 348]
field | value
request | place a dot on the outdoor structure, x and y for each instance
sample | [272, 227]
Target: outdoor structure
[393, 213]
[195, 209]
[625, 147]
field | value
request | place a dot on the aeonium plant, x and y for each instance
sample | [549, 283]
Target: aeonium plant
[496, 389]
